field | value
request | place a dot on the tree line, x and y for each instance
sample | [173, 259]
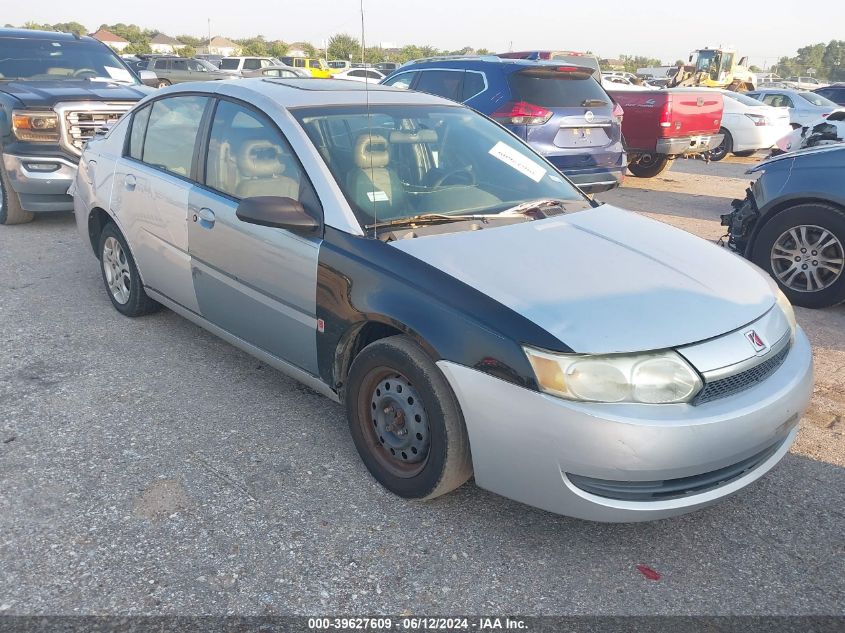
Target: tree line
[823, 61]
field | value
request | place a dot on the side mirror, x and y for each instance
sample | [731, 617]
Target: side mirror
[148, 77]
[277, 212]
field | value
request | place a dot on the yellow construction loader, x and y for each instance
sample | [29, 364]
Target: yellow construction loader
[715, 68]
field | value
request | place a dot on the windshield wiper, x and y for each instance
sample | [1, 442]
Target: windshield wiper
[434, 218]
[536, 205]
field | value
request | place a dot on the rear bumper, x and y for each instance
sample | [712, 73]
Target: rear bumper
[685, 145]
[595, 180]
[41, 182]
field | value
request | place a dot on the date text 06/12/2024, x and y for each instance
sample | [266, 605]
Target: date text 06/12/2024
[417, 624]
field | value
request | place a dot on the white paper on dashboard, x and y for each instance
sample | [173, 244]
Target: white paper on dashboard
[120, 74]
[521, 163]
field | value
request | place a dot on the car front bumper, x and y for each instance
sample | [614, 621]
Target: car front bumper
[534, 447]
[41, 182]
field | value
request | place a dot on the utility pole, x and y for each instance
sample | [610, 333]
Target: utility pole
[209, 35]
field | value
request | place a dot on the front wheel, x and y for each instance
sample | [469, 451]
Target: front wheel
[649, 165]
[120, 275]
[11, 211]
[405, 420]
[803, 248]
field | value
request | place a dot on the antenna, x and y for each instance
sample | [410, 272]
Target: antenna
[372, 192]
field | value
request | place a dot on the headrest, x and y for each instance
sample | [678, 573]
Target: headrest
[420, 136]
[259, 158]
[371, 151]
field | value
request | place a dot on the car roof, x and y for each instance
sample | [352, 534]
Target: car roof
[303, 92]
[31, 34]
[470, 61]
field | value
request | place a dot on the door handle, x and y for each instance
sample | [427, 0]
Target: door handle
[205, 218]
[129, 181]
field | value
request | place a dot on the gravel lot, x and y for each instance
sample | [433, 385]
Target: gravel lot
[147, 467]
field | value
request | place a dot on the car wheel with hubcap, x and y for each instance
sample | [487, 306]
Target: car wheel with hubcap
[120, 275]
[162, 83]
[803, 248]
[724, 148]
[11, 211]
[405, 420]
[649, 165]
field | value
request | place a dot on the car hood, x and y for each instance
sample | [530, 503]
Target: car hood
[605, 280]
[49, 93]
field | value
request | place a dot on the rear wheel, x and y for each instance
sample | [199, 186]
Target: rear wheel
[724, 148]
[746, 153]
[11, 211]
[162, 83]
[649, 165]
[405, 420]
[803, 248]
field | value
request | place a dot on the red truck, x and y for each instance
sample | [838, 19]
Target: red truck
[660, 125]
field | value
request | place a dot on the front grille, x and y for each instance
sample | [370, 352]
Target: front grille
[729, 385]
[80, 125]
[663, 490]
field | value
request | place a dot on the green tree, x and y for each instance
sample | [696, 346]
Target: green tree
[278, 49]
[186, 51]
[254, 46]
[632, 62]
[190, 40]
[343, 46]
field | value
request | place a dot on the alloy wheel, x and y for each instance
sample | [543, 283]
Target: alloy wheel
[116, 268]
[807, 258]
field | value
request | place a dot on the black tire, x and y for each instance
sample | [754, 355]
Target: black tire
[447, 463]
[746, 153]
[11, 211]
[815, 214]
[725, 147]
[137, 302]
[162, 83]
[649, 165]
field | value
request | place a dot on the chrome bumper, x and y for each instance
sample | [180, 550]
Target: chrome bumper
[41, 182]
[533, 447]
[688, 144]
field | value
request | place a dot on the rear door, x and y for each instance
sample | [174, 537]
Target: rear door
[255, 282]
[180, 72]
[579, 114]
[151, 192]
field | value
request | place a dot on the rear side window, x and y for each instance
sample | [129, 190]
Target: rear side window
[180, 64]
[229, 64]
[139, 128]
[443, 83]
[552, 88]
[473, 84]
[161, 64]
[402, 80]
[172, 133]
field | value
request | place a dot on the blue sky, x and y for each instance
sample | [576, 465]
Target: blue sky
[664, 29]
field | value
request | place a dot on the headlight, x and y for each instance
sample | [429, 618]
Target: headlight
[786, 307]
[39, 127]
[651, 378]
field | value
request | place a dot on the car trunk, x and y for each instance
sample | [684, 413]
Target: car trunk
[574, 114]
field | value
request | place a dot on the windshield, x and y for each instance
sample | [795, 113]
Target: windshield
[705, 61]
[743, 99]
[207, 65]
[817, 99]
[412, 160]
[48, 60]
[551, 88]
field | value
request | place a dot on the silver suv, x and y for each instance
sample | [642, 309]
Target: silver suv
[471, 309]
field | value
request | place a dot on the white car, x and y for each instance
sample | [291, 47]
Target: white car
[804, 107]
[749, 125]
[364, 75]
[824, 131]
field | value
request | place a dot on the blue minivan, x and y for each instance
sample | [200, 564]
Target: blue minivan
[559, 109]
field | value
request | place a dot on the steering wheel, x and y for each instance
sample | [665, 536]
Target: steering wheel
[85, 71]
[460, 176]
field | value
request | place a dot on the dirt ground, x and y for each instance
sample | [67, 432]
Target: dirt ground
[691, 196]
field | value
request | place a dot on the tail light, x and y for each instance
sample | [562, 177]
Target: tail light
[618, 112]
[826, 114]
[759, 119]
[521, 113]
[666, 114]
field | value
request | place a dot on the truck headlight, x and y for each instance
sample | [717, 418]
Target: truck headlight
[649, 378]
[38, 127]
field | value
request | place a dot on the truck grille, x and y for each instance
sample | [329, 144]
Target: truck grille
[81, 124]
[730, 385]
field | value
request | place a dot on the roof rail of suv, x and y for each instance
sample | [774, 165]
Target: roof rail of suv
[452, 58]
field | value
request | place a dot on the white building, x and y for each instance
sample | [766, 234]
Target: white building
[165, 44]
[220, 46]
[109, 38]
